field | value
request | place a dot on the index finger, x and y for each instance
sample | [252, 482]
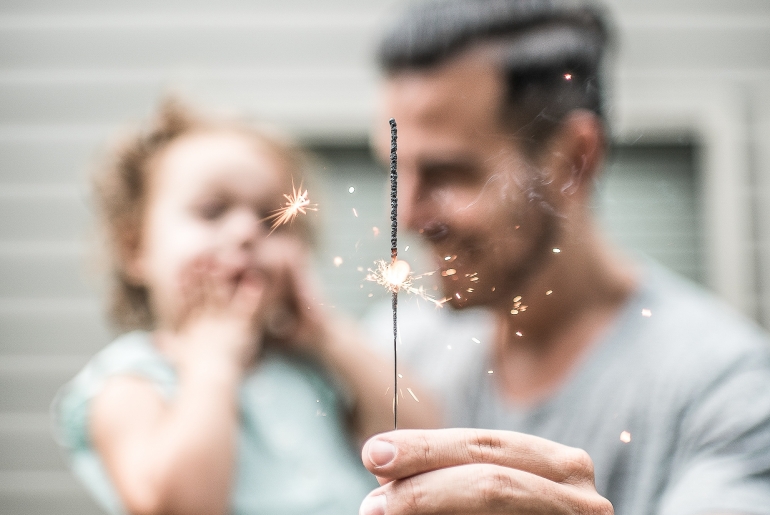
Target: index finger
[405, 453]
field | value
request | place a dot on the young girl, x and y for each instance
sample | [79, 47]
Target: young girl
[218, 399]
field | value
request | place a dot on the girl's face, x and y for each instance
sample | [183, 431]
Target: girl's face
[209, 195]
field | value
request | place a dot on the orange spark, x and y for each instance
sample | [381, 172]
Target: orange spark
[397, 276]
[296, 203]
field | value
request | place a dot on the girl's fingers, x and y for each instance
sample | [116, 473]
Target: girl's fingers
[249, 295]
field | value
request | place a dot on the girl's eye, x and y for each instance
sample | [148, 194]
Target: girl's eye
[212, 210]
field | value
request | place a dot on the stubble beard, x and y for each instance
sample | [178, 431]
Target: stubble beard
[504, 279]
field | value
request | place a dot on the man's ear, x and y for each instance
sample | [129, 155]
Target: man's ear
[576, 152]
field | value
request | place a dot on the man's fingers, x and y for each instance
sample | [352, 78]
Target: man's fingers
[482, 489]
[402, 454]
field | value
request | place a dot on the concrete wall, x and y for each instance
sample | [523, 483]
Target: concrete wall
[689, 70]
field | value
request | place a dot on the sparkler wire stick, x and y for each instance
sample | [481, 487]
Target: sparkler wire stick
[394, 257]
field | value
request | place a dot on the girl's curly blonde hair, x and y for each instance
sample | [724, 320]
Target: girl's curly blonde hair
[121, 189]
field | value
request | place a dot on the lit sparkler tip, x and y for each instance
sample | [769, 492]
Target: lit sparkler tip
[397, 276]
[297, 202]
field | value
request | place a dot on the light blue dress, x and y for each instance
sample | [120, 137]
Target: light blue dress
[293, 456]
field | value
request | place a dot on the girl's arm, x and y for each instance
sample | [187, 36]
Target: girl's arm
[179, 456]
[170, 458]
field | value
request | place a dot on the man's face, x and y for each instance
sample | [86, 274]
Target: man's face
[464, 184]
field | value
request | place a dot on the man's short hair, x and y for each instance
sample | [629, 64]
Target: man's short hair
[551, 54]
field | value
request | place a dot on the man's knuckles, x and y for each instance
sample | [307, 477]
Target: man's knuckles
[488, 488]
[577, 467]
[496, 489]
[484, 447]
[418, 451]
[475, 488]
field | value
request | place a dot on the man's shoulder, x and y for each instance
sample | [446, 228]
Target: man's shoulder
[693, 316]
[684, 331]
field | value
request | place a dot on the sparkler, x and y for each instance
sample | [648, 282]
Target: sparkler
[297, 202]
[394, 256]
[397, 276]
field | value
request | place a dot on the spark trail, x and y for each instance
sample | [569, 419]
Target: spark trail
[297, 202]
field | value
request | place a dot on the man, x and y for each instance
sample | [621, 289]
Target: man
[501, 139]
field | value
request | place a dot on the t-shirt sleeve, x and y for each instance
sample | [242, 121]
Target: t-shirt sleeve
[131, 354]
[722, 462]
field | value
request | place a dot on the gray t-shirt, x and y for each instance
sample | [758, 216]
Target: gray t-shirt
[673, 404]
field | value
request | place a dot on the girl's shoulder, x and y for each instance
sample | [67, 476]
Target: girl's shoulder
[130, 354]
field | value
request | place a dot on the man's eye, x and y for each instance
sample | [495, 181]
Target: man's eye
[212, 210]
[448, 174]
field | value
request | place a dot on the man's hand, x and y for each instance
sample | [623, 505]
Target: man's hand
[478, 472]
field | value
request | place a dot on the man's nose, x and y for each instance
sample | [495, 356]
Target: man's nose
[408, 203]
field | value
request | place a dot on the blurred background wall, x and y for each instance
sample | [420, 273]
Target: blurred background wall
[688, 181]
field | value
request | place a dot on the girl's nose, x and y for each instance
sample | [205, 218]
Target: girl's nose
[244, 228]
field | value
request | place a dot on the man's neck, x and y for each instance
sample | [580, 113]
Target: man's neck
[542, 336]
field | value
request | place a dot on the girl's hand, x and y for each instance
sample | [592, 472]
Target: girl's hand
[219, 315]
[294, 316]
[296, 320]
